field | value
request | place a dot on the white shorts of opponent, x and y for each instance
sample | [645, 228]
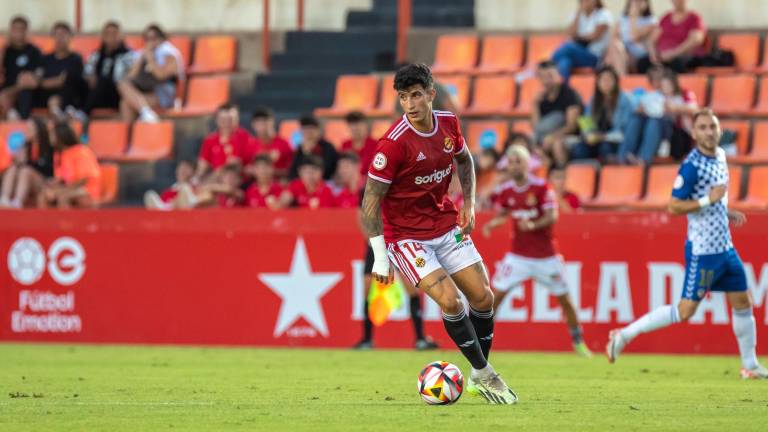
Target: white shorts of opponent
[513, 270]
[417, 258]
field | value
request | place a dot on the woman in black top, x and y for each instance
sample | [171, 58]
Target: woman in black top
[31, 167]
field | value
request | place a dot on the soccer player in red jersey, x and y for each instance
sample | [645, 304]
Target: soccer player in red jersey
[264, 192]
[309, 190]
[532, 205]
[360, 141]
[412, 223]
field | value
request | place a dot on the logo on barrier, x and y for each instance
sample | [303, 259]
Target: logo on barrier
[27, 261]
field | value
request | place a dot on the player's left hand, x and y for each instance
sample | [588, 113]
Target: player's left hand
[526, 225]
[467, 219]
[737, 218]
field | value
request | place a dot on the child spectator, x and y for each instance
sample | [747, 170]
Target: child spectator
[77, 181]
[227, 193]
[313, 144]
[179, 196]
[631, 36]
[361, 141]
[32, 167]
[264, 192]
[678, 42]
[567, 202]
[267, 141]
[221, 147]
[21, 60]
[348, 181]
[590, 34]
[309, 190]
[105, 68]
[61, 85]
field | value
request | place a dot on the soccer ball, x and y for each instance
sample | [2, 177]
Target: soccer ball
[440, 383]
[26, 260]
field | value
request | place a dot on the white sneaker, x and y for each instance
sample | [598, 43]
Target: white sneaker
[759, 372]
[493, 388]
[148, 116]
[616, 344]
[153, 201]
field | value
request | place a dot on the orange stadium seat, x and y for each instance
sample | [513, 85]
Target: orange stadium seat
[745, 47]
[134, 42]
[455, 53]
[619, 186]
[458, 85]
[529, 89]
[110, 182]
[108, 138]
[697, 84]
[581, 179]
[387, 98]
[735, 176]
[584, 85]
[379, 128]
[542, 46]
[759, 151]
[150, 141]
[214, 54]
[733, 94]
[742, 129]
[2, 41]
[487, 133]
[85, 45]
[204, 95]
[761, 107]
[757, 193]
[183, 43]
[290, 130]
[336, 132]
[630, 83]
[493, 95]
[523, 126]
[44, 43]
[659, 190]
[501, 53]
[353, 92]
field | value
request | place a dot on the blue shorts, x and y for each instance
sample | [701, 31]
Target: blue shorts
[716, 272]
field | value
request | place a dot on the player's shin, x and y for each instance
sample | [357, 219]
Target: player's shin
[658, 318]
[463, 334]
[482, 321]
[746, 335]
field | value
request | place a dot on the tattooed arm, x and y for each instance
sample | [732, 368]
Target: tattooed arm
[466, 172]
[372, 223]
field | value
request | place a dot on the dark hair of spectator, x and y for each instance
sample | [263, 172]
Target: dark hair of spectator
[704, 112]
[349, 156]
[355, 117]
[262, 112]
[65, 135]
[111, 24]
[226, 107]
[262, 158]
[603, 106]
[545, 64]
[155, 28]
[42, 136]
[20, 19]
[61, 25]
[308, 120]
[514, 136]
[312, 160]
[492, 153]
[671, 75]
[646, 13]
[414, 74]
[192, 163]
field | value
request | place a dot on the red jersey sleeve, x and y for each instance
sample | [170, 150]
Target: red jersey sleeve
[548, 199]
[386, 162]
[460, 141]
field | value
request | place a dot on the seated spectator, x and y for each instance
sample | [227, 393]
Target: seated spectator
[21, 60]
[658, 114]
[151, 82]
[678, 42]
[590, 34]
[226, 193]
[313, 144]
[105, 68]
[605, 119]
[631, 36]
[61, 85]
[179, 196]
[221, 147]
[567, 202]
[77, 181]
[32, 166]
[267, 141]
[264, 192]
[361, 141]
[535, 164]
[554, 114]
[348, 183]
[309, 190]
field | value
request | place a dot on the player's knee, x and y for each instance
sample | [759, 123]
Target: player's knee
[686, 312]
[451, 305]
[484, 302]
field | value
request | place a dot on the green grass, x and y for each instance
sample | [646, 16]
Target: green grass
[130, 388]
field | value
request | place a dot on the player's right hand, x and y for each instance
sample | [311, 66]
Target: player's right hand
[383, 272]
[717, 193]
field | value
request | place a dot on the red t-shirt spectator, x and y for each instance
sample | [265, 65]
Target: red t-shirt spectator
[228, 201]
[216, 152]
[255, 198]
[673, 34]
[346, 198]
[365, 153]
[322, 197]
[282, 148]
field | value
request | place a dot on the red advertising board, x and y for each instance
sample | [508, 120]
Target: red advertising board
[293, 278]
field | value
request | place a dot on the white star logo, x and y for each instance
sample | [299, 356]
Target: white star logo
[300, 291]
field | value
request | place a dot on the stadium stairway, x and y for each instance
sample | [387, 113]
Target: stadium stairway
[426, 13]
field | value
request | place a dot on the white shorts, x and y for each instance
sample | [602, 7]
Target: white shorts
[513, 270]
[417, 258]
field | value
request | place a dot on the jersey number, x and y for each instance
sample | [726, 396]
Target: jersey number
[706, 277]
[411, 247]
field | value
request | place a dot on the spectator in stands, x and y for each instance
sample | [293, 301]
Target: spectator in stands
[678, 41]
[267, 141]
[32, 166]
[348, 181]
[555, 113]
[631, 36]
[309, 190]
[179, 196]
[264, 192]
[590, 34]
[658, 114]
[62, 86]
[21, 60]
[226, 193]
[605, 119]
[105, 68]
[525, 140]
[151, 82]
[361, 141]
[567, 202]
[314, 144]
[77, 181]
[221, 147]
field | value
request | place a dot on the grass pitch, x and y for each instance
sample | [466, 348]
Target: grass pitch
[131, 388]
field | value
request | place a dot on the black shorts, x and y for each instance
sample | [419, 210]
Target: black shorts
[368, 260]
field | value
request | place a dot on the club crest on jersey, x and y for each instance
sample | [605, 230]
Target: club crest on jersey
[448, 145]
[379, 161]
[420, 262]
[530, 200]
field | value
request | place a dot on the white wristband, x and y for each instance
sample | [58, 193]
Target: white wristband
[380, 259]
[704, 201]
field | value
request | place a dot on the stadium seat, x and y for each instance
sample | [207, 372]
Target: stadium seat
[487, 133]
[290, 130]
[387, 98]
[108, 138]
[584, 85]
[759, 151]
[542, 46]
[697, 84]
[757, 193]
[5, 129]
[745, 47]
[492, 95]
[741, 127]
[184, 44]
[455, 53]
[353, 92]
[44, 43]
[110, 182]
[458, 85]
[630, 83]
[85, 45]
[204, 95]
[735, 177]
[581, 179]
[379, 128]
[659, 189]
[501, 53]
[523, 126]
[529, 89]
[214, 54]
[619, 186]
[134, 42]
[150, 141]
[733, 95]
[761, 107]
[336, 132]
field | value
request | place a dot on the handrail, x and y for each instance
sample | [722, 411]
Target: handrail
[404, 16]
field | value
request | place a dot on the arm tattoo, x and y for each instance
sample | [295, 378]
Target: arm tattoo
[371, 211]
[466, 172]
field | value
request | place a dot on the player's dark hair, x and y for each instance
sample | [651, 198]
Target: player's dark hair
[155, 28]
[262, 112]
[355, 117]
[65, 135]
[704, 112]
[414, 74]
[312, 160]
[349, 156]
[61, 25]
[262, 158]
[20, 19]
[308, 120]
